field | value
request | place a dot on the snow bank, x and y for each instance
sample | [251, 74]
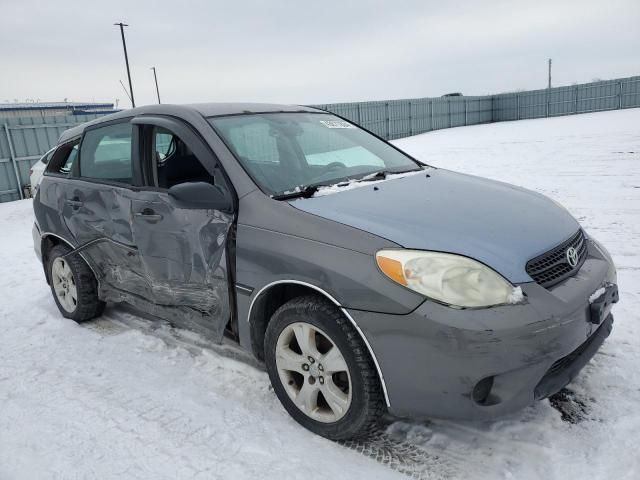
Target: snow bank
[121, 398]
[517, 296]
[596, 295]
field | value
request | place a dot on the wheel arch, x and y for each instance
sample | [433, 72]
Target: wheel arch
[271, 296]
[49, 240]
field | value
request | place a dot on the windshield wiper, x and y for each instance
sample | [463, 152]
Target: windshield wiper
[306, 191]
[382, 174]
[379, 175]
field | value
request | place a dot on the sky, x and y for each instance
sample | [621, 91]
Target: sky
[309, 52]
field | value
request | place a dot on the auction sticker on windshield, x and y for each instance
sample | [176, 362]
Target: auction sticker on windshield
[336, 124]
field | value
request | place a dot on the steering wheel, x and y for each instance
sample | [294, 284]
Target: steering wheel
[327, 169]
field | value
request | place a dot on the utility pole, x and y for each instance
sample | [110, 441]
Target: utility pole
[549, 74]
[155, 76]
[126, 59]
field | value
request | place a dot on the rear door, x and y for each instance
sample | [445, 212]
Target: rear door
[183, 251]
[97, 207]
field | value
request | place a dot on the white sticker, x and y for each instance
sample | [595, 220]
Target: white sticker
[336, 124]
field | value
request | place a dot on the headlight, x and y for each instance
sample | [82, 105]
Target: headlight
[451, 279]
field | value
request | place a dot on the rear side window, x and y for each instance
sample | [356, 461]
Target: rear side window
[63, 158]
[71, 158]
[105, 154]
[46, 158]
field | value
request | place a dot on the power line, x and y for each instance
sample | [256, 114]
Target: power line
[155, 76]
[125, 90]
[126, 59]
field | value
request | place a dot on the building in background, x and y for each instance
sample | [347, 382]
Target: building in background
[46, 109]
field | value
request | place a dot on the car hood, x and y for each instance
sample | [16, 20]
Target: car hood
[498, 224]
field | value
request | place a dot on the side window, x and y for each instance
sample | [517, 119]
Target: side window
[63, 158]
[165, 144]
[174, 162]
[105, 154]
[71, 159]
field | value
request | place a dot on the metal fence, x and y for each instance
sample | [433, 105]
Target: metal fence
[584, 98]
[401, 118]
[24, 140]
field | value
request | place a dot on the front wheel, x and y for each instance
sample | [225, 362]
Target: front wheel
[321, 371]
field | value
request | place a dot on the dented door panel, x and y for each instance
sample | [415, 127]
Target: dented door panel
[174, 268]
[183, 257]
[146, 251]
[98, 217]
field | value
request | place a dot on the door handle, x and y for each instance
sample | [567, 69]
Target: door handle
[75, 203]
[150, 215]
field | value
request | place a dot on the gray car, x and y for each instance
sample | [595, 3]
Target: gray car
[367, 282]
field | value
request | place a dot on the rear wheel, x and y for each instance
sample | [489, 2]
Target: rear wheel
[74, 287]
[321, 370]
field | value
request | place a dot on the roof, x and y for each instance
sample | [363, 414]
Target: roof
[54, 105]
[185, 111]
[215, 109]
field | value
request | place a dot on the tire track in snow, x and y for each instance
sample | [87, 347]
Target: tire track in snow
[402, 456]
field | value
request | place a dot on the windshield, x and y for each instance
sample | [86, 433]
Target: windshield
[285, 151]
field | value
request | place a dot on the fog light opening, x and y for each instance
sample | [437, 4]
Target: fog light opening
[482, 391]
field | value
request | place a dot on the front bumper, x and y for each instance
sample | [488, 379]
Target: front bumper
[433, 358]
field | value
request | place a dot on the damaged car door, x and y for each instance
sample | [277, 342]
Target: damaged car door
[97, 192]
[181, 221]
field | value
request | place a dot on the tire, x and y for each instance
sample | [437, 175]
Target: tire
[357, 416]
[85, 305]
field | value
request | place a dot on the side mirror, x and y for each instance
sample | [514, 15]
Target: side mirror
[201, 195]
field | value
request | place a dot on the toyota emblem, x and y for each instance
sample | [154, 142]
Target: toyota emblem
[572, 256]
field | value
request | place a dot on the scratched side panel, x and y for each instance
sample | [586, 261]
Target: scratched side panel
[48, 207]
[102, 229]
[183, 258]
[175, 268]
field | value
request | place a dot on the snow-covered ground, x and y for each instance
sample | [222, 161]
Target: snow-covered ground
[128, 397]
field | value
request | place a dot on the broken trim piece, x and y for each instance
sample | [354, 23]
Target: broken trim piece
[74, 249]
[101, 240]
[243, 289]
[346, 314]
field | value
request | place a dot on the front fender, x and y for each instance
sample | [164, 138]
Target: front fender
[351, 278]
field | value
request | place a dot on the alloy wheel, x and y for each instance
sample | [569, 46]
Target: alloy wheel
[313, 372]
[64, 284]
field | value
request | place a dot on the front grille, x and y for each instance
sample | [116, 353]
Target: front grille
[552, 267]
